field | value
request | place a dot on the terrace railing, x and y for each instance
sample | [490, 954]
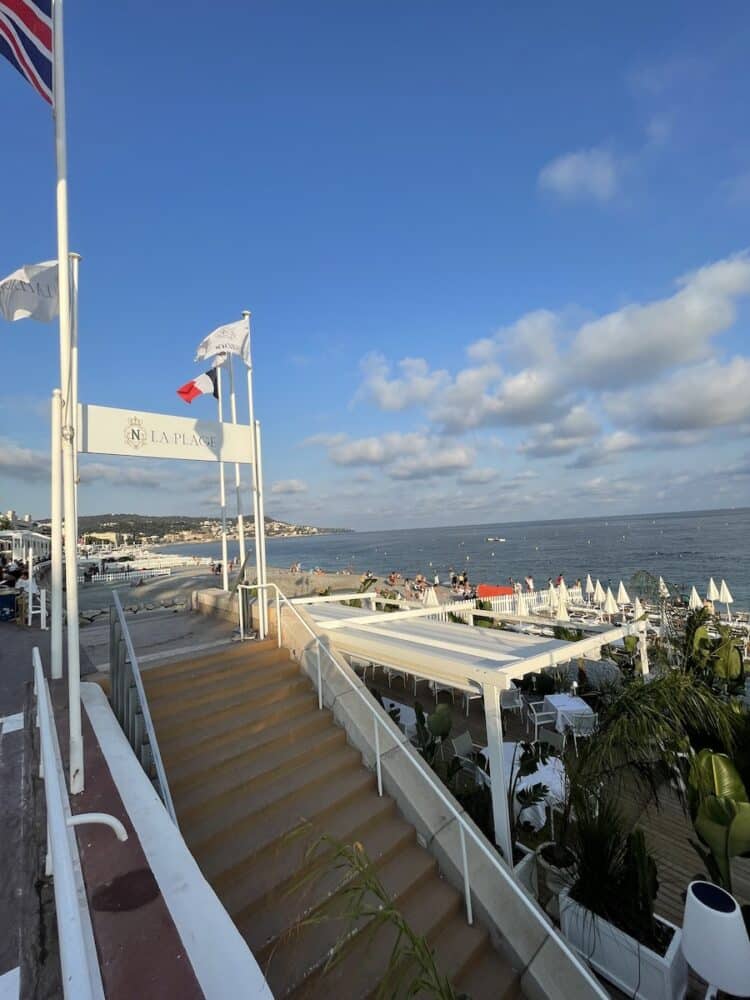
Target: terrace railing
[465, 830]
[130, 704]
[79, 963]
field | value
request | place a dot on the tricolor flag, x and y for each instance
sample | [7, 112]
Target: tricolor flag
[205, 383]
[26, 41]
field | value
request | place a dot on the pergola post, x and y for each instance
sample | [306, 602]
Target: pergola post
[494, 723]
[643, 647]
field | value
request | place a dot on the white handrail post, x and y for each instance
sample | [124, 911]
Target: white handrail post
[56, 556]
[278, 619]
[260, 527]
[320, 683]
[377, 756]
[494, 723]
[240, 606]
[467, 886]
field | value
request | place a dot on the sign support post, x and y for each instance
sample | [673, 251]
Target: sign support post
[237, 476]
[56, 634]
[222, 495]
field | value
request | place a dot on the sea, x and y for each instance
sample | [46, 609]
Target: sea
[685, 548]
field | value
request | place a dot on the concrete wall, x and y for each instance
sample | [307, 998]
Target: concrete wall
[549, 969]
[215, 603]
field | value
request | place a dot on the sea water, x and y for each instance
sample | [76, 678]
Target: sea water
[685, 548]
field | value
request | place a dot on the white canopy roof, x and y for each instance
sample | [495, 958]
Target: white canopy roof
[458, 654]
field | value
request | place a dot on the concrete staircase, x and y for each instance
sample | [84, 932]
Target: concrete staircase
[249, 756]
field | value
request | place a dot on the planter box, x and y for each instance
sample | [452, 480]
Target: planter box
[525, 871]
[630, 966]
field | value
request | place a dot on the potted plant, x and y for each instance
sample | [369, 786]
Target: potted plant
[607, 912]
[720, 811]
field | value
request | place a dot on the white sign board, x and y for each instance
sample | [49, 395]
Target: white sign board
[104, 430]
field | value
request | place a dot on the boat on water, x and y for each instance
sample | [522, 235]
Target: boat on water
[491, 539]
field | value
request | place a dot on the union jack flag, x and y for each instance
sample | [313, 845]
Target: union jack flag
[26, 41]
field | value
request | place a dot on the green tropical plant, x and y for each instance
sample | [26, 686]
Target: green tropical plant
[364, 906]
[720, 812]
[614, 874]
[532, 755]
[726, 659]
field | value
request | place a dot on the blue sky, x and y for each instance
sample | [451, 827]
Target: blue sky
[496, 258]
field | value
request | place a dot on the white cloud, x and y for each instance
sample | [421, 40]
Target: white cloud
[531, 338]
[606, 449]
[125, 475]
[377, 450]
[575, 430]
[415, 383]
[525, 397]
[434, 461]
[587, 173]
[478, 476]
[23, 463]
[637, 342]
[284, 487]
[705, 396]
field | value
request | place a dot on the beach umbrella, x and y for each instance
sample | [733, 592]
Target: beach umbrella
[713, 593]
[521, 605]
[610, 604]
[563, 597]
[637, 609]
[663, 588]
[552, 598]
[431, 598]
[599, 595]
[562, 612]
[622, 594]
[695, 601]
[589, 587]
[725, 597]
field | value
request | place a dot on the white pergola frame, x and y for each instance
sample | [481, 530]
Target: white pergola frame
[467, 677]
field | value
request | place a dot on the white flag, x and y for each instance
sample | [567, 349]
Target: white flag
[234, 338]
[30, 293]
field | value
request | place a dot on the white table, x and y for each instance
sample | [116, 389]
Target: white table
[551, 774]
[565, 704]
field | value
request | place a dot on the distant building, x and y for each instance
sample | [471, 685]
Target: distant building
[11, 515]
[26, 518]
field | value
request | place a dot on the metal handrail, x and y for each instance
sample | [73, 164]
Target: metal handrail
[463, 827]
[78, 957]
[133, 713]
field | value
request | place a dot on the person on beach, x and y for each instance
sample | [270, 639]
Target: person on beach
[436, 581]
[530, 583]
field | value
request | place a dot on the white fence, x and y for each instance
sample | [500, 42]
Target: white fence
[459, 608]
[132, 574]
[534, 600]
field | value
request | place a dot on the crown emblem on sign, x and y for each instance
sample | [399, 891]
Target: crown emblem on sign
[135, 433]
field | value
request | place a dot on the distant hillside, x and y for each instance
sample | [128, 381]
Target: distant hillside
[150, 525]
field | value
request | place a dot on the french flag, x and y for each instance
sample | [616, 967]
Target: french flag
[205, 383]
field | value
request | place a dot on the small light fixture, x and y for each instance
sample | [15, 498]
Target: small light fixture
[715, 940]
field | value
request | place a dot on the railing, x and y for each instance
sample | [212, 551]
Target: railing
[81, 978]
[128, 574]
[534, 599]
[130, 704]
[464, 829]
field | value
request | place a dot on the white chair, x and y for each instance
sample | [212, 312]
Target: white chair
[470, 696]
[581, 725]
[511, 700]
[399, 675]
[463, 745]
[537, 715]
[437, 688]
[552, 738]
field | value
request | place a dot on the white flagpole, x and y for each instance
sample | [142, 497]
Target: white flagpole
[260, 530]
[222, 495]
[69, 417]
[75, 259]
[254, 481]
[237, 476]
[56, 634]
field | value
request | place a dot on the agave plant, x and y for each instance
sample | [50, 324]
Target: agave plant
[720, 812]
